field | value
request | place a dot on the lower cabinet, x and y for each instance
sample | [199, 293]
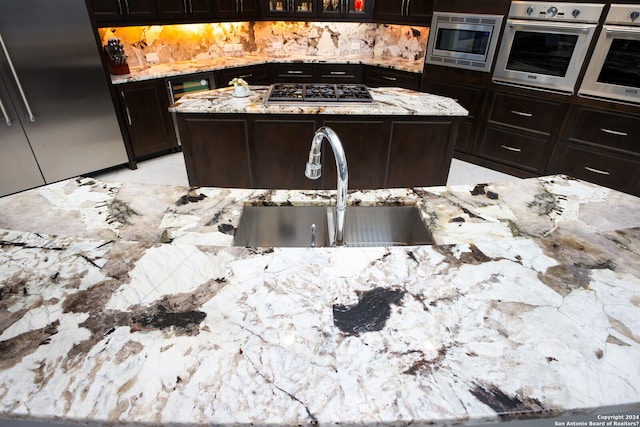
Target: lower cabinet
[270, 151]
[382, 77]
[148, 120]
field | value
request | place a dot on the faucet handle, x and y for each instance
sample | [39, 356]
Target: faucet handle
[313, 170]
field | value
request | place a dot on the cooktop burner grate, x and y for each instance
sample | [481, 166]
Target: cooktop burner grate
[318, 93]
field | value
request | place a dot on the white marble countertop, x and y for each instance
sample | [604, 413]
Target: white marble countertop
[195, 66]
[388, 101]
[124, 304]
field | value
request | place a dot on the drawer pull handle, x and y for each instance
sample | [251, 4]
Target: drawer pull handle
[294, 72]
[506, 147]
[246, 76]
[598, 171]
[393, 79]
[520, 113]
[614, 132]
[338, 73]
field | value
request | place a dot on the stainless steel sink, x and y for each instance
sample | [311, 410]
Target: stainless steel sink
[305, 226]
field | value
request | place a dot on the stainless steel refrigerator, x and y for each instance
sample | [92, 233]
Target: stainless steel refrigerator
[57, 116]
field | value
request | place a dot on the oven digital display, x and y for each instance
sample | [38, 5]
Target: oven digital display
[541, 52]
[463, 41]
[622, 64]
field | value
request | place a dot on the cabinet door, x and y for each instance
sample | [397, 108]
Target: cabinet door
[119, 11]
[389, 10]
[364, 144]
[420, 153]
[149, 123]
[215, 150]
[285, 9]
[232, 9]
[352, 10]
[184, 9]
[420, 12]
[279, 150]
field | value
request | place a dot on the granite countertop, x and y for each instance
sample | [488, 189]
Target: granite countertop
[195, 66]
[388, 101]
[125, 303]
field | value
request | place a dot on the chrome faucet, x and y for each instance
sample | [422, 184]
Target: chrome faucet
[314, 171]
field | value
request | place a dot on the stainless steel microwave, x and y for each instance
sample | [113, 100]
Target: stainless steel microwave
[463, 40]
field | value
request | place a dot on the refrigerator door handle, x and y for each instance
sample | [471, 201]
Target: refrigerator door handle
[17, 80]
[7, 119]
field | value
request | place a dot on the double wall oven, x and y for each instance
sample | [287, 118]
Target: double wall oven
[614, 69]
[544, 44]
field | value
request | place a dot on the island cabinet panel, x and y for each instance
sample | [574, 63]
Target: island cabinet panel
[149, 124]
[216, 150]
[279, 150]
[365, 144]
[420, 153]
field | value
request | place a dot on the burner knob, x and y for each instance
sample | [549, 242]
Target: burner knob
[529, 10]
[634, 15]
[552, 11]
[575, 13]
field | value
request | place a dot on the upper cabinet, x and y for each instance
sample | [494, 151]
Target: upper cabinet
[404, 11]
[188, 10]
[124, 11]
[352, 10]
[237, 9]
[288, 9]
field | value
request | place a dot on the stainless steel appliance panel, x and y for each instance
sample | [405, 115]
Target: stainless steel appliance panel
[614, 69]
[544, 45]
[16, 157]
[55, 78]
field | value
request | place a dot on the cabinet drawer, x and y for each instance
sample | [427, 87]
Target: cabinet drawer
[376, 77]
[252, 74]
[603, 128]
[526, 113]
[598, 166]
[522, 151]
[340, 73]
[302, 73]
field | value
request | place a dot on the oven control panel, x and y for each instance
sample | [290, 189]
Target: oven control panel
[576, 12]
[624, 14]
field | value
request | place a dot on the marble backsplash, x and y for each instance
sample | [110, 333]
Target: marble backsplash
[174, 43]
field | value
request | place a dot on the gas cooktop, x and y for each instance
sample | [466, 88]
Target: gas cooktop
[317, 93]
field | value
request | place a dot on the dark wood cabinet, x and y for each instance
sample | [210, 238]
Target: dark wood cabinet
[219, 158]
[294, 73]
[270, 151]
[404, 11]
[345, 10]
[236, 9]
[121, 12]
[149, 124]
[380, 77]
[185, 10]
[600, 146]
[289, 9]
[339, 73]
[520, 130]
[471, 98]
[252, 74]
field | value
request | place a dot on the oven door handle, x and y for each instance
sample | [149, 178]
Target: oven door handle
[631, 33]
[570, 28]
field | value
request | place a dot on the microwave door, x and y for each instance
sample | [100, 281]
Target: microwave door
[614, 70]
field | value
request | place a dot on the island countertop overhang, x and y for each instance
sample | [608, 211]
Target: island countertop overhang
[388, 101]
[526, 302]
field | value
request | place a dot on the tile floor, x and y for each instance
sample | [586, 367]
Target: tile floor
[170, 170]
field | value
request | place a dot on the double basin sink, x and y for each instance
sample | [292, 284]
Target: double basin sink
[314, 226]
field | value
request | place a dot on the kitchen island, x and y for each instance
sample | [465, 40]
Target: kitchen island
[403, 138]
[124, 304]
